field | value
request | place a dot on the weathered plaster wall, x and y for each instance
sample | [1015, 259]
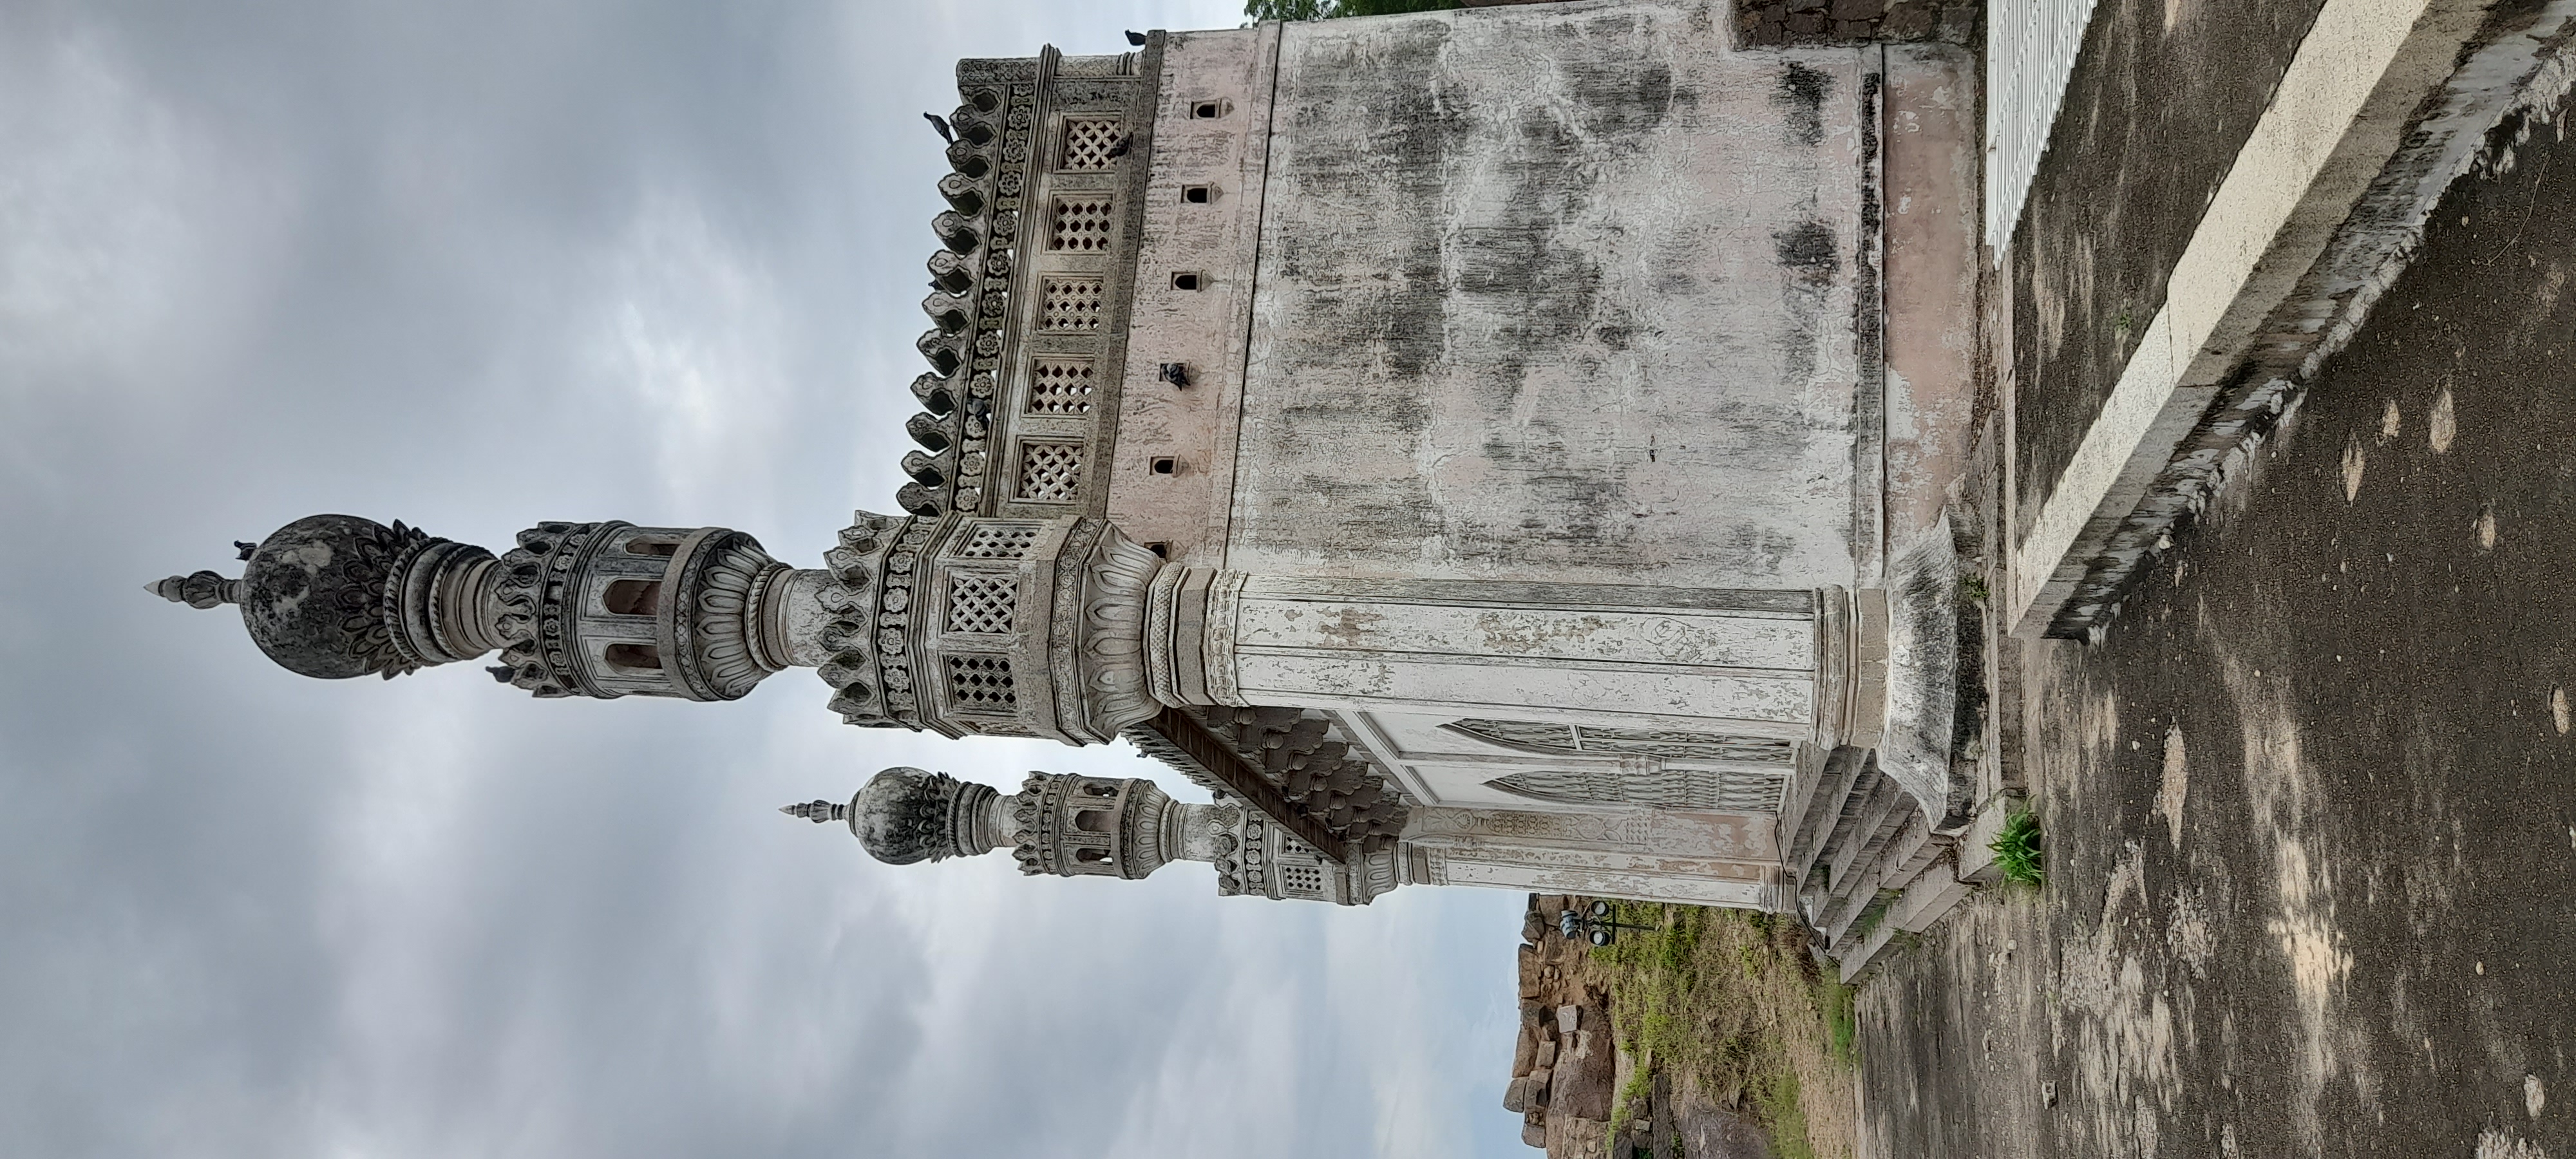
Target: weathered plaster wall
[1212, 132]
[1931, 280]
[1564, 293]
[1708, 858]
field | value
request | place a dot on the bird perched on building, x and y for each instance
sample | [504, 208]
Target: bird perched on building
[940, 123]
[1120, 149]
[1135, 38]
[246, 548]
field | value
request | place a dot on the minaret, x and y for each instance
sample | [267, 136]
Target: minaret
[1078, 826]
[956, 624]
[576, 609]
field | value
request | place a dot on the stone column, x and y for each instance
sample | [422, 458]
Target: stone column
[1768, 663]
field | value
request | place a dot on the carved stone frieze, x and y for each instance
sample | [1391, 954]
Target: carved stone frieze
[1063, 640]
[1027, 135]
[537, 585]
[1115, 690]
[870, 597]
[728, 576]
[1217, 637]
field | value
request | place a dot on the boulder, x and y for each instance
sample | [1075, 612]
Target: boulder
[1543, 1055]
[1569, 1137]
[1583, 1080]
[1525, 1051]
[1569, 1019]
[1707, 1129]
[1534, 1134]
[1520, 1095]
[1529, 971]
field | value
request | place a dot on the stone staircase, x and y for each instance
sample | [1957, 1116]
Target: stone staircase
[1863, 861]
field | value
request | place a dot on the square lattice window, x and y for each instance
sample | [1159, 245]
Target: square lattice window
[1088, 142]
[1050, 472]
[1306, 879]
[1000, 541]
[1081, 225]
[1060, 386]
[982, 604]
[1069, 305]
[982, 684]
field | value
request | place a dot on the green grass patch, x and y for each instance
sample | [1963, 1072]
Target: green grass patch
[2018, 852]
[1785, 1118]
[1842, 1025]
[1622, 1109]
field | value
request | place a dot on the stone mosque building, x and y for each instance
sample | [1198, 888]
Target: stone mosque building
[1502, 447]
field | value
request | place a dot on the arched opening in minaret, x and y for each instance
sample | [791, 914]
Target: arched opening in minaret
[629, 597]
[643, 657]
[1091, 856]
[650, 545]
[1093, 821]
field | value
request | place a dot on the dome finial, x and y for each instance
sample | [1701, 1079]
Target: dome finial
[201, 590]
[817, 811]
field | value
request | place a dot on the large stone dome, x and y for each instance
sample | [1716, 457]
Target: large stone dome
[313, 596]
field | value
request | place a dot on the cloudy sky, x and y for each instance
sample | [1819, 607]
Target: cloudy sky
[476, 264]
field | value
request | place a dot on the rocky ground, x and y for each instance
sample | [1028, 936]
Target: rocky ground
[2311, 802]
[1709, 1034]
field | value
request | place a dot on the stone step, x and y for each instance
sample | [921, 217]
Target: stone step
[1900, 855]
[1886, 808]
[1833, 829]
[1807, 773]
[1841, 773]
[1935, 892]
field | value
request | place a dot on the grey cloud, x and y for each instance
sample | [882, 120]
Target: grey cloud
[473, 266]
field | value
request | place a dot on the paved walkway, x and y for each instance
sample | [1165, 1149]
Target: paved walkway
[2311, 802]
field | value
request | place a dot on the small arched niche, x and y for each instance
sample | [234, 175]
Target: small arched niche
[633, 597]
[634, 657]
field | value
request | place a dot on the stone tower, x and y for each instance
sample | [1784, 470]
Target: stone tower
[1071, 826]
[1498, 447]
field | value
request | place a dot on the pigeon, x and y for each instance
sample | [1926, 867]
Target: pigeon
[1120, 149]
[940, 123]
[246, 549]
[1135, 38]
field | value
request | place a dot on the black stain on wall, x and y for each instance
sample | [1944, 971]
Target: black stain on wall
[1800, 97]
[1809, 251]
[1809, 256]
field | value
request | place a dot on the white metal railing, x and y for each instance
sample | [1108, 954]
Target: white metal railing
[2030, 50]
